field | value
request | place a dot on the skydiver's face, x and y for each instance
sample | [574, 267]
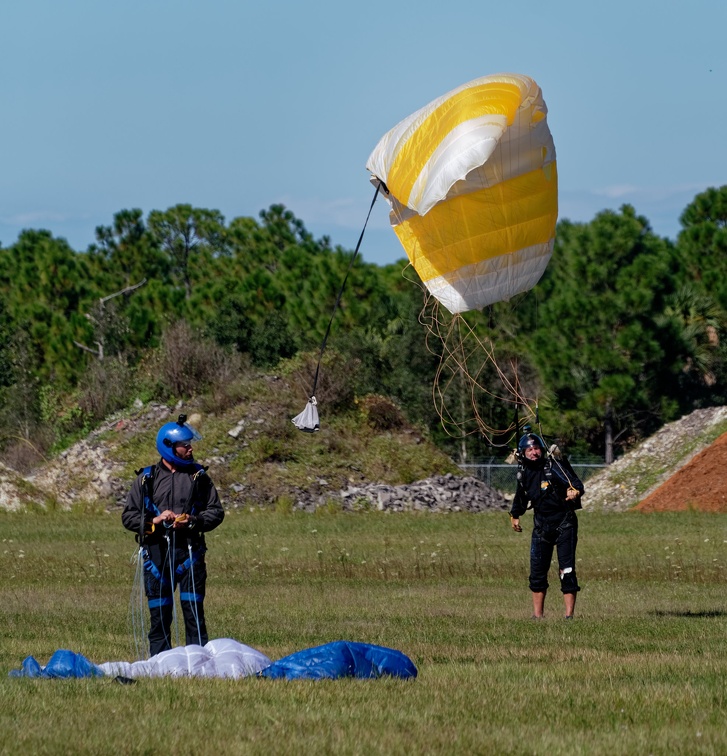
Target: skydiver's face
[183, 450]
[533, 453]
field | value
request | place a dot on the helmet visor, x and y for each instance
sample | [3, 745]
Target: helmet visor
[196, 436]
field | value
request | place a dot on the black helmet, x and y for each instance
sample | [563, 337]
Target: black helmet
[530, 440]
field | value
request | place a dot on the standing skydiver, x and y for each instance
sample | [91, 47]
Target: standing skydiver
[554, 491]
[170, 506]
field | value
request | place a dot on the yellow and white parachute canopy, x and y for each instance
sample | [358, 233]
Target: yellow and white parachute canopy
[473, 189]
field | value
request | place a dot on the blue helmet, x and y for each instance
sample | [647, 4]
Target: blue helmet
[174, 433]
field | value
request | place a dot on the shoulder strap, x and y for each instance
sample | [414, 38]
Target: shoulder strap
[148, 506]
[199, 473]
[548, 468]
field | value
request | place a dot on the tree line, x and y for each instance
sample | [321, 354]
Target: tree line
[624, 332]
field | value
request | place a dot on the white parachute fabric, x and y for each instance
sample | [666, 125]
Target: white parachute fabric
[223, 657]
[308, 420]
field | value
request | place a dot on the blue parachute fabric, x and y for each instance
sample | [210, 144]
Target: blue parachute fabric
[341, 659]
[63, 664]
[30, 668]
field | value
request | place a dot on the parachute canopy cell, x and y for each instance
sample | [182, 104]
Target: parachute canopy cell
[473, 189]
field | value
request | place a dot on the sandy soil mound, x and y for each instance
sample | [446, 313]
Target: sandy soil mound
[642, 471]
[701, 484]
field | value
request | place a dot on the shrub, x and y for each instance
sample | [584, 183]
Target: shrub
[105, 388]
[186, 364]
[24, 455]
[381, 413]
[228, 387]
[336, 378]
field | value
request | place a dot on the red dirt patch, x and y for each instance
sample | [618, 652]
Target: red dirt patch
[701, 484]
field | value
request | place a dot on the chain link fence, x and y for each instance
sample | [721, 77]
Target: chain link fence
[501, 476]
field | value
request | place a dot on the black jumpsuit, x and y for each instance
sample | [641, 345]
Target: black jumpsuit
[544, 483]
[174, 557]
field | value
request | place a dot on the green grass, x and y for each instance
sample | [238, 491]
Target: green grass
[641, 670]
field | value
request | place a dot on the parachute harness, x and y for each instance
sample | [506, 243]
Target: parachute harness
[552, 455]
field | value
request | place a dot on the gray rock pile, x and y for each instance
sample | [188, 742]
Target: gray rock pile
[83, 473]
[15, 492]
[89, 471]
[443, 493]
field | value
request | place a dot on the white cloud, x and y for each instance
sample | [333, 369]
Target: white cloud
[34, 218]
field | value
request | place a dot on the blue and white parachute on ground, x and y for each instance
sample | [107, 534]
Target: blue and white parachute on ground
[227, 658]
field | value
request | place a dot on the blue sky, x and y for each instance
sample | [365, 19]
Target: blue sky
[235, 105]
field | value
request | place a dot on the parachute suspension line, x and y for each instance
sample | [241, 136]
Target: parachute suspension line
[456, 351]
[553, 451]
[169, 562]
[343, 286]
[172, 575]
[458, 346]
[137, 609]
[194, 594]
[518, 401]
[537, 408]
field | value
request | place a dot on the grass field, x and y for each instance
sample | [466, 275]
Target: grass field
[642, 669]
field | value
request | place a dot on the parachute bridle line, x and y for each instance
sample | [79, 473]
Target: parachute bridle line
[379, 185]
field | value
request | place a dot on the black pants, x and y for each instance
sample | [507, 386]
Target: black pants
[561, 534]
[161, 576]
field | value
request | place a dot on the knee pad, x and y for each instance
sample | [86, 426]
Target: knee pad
[569, 581]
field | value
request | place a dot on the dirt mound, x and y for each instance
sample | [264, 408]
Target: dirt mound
[701, 484]
[642, 471]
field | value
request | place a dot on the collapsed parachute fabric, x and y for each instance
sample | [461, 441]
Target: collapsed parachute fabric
[342, 659]
[227, 658]
[224, 657]
[473, 189]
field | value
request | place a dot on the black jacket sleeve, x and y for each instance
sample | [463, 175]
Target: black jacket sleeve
[211, 513]
[133, 510]
[522, 498]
